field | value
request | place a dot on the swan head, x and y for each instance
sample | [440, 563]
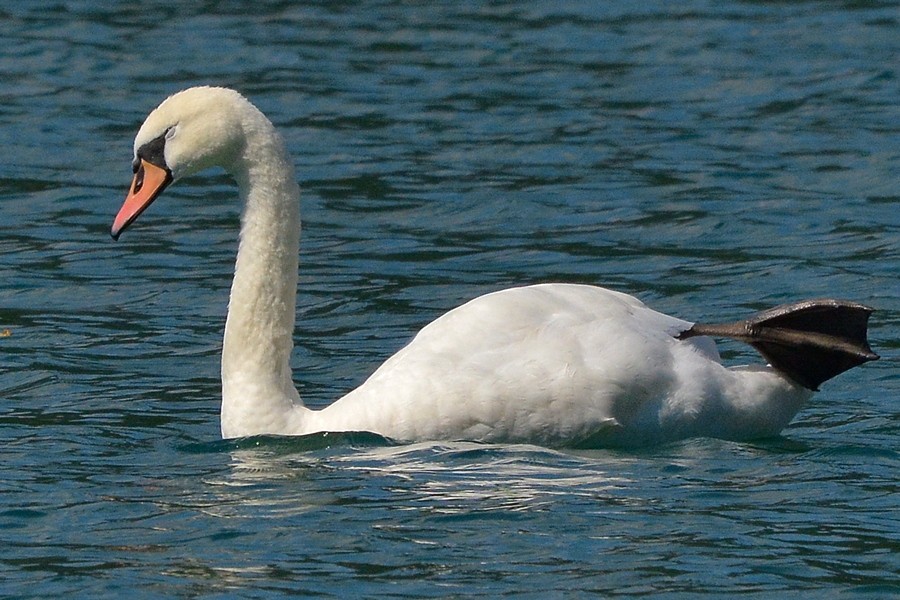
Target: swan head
[190, 131]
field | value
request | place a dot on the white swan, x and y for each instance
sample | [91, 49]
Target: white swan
[554, 364]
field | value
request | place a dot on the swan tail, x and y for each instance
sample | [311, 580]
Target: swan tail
[809, 342]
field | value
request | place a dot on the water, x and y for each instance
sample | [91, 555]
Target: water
[712, 158]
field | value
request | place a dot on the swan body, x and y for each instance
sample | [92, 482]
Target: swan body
[559, 364]
[551, 364]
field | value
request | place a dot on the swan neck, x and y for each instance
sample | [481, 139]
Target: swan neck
[258, 394]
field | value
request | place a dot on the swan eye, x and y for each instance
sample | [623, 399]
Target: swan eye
[170, 132]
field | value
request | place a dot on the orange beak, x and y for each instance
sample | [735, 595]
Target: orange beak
[149, 181]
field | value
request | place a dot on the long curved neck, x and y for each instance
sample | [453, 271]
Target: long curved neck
[258, 393]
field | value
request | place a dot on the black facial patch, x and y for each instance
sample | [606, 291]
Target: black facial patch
[154, 152]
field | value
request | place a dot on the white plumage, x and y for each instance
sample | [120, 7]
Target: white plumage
[552, 364]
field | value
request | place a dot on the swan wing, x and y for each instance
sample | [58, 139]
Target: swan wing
[546, 364]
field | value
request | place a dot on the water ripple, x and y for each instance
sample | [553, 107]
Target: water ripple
[712, 159]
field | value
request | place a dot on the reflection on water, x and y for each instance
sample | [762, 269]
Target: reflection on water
[441, 480]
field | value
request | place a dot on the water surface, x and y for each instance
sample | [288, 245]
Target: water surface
[711, 159]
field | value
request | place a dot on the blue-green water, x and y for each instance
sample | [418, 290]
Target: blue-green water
[711, 158]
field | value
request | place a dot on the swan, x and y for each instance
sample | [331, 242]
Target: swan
[553, 364]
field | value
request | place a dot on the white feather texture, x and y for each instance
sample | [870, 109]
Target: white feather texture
[552, 364]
